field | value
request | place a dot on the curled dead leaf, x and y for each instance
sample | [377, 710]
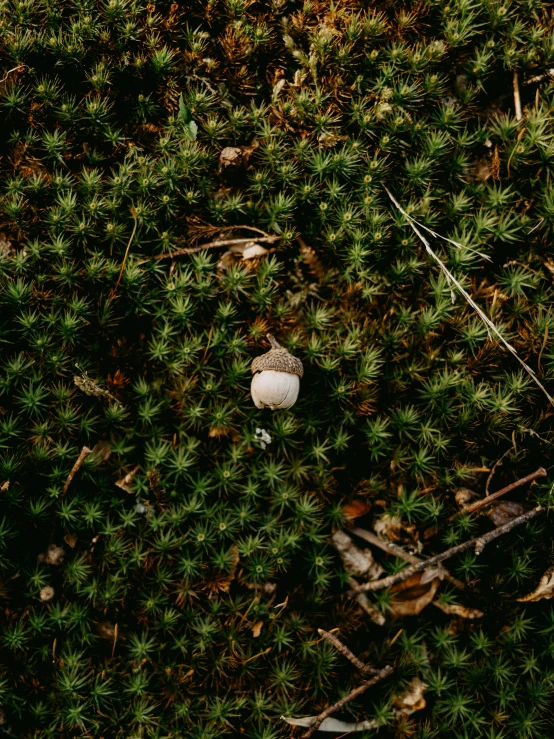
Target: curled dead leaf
[257, 629]
[356, 508]
[412, 595]
[357, 562]
[70, 540]
[504, 511]
[453, 609]
[391, 527]
[125, 482]
[543, 591]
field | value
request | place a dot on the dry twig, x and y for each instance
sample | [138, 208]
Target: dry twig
[517, 98]
[482, 502]
[397, 551]
[343, 649]
[214, 245]
[479, 543]
[85, 451]
[126, 254]
[385, 672]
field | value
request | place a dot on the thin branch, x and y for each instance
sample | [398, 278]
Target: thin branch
[385, 672]
[479, 543]
[125, 255]
[213, 245]
[397, 551]
[482, 502]
[85, 451]
[453, 281]
[517, 98]
[343, 649]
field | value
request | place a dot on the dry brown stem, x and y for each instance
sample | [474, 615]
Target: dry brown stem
[479, 543]
[85, 451]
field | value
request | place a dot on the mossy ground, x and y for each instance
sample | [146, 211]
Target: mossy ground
[114, 116]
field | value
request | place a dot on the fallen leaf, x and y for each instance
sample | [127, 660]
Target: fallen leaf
[70, 540]
[125, 482]
[391, 527]
[464, 496]
[236, 156]
[414, 594]
[4, 486]
[252, 250]
[453, 609]
[505, 511]
[102, 450]
[356, 508]
[241, 253]
[413, 698]
[257, 629]
[543, 591]
[357, 562]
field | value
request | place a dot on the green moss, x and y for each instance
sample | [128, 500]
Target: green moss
[114, 118]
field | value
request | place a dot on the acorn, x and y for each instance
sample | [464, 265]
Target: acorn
[276, 378]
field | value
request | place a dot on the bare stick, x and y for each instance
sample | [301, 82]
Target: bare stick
[385, 672]
[397, 551]
[479, 543]
[343, 649]
[482, 502]
[214, 245]
[452, 281]
[85, 451]
[517, 98]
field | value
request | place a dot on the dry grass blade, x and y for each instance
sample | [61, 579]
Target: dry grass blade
[453, 281]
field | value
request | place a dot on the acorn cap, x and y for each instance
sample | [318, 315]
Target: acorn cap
[277, 359]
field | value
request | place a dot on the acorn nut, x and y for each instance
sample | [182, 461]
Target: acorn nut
[276, 378]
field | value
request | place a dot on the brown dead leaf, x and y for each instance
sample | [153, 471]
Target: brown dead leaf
[391, 528]
[357, 562]
[356, 508]
[70, 540]
[505, 511]
[453, 609]
[413, 595]
[413, 698]
[464, 496]
[125, 482]
[241, 253]
[257, 629]
[4, 486]
[543, 591]
[236, 156]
